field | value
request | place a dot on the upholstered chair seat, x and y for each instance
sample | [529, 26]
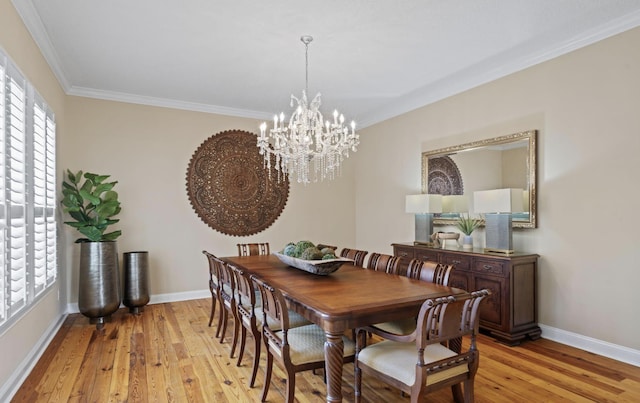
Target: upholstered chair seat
[398, 360]
[306, 344]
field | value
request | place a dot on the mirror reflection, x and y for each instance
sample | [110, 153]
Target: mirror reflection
[496, 163]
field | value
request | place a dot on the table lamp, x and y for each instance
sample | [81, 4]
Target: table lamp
[423, 206]
[497, 206]
[455, 204]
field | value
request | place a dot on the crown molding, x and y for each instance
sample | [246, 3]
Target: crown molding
[167, 103]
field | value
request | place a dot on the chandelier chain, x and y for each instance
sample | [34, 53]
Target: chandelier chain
[306, 61]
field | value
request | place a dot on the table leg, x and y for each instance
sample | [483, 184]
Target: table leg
[333, 356]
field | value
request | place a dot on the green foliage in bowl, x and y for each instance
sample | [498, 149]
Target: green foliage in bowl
[306, 250]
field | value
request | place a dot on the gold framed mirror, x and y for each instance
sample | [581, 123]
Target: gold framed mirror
[501, 162]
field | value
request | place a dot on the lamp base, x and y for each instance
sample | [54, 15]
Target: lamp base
[428, 244]
[502, 251]
[498, 233]
[423, 227]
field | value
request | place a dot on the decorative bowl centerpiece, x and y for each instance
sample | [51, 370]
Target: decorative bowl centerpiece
[320, 267]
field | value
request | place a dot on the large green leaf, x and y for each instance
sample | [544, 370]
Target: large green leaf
[92, 233]
[89, 197]
[96, 179]
[111, 236]
[103, 187]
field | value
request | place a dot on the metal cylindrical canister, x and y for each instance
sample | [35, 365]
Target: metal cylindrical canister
[136, 280]
[98, 295]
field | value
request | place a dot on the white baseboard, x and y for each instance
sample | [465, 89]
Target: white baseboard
[161, 298]
[595, 346]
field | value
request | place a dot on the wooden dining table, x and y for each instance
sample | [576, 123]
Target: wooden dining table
[348, 298]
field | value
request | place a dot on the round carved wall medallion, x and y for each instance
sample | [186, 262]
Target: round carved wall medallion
[444, 177]
[229, 187]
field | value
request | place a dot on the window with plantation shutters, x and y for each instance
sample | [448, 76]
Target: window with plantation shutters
[28, 209]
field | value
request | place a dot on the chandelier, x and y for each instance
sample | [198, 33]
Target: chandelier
[308, 147]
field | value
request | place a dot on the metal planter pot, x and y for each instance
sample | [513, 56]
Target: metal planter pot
[136, 280]
[99, 292]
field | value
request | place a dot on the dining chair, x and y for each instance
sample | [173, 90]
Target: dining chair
[386, 263]
[428, 271]
[214, 284]
[250, 316]
[430, 358]
[228, 301]
[322, 246]
[252, 249]
[355, 254]
[295, 349]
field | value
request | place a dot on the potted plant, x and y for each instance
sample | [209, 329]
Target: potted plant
[467, 225]
[93, 204]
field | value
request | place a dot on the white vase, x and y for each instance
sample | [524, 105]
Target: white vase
[467, 242]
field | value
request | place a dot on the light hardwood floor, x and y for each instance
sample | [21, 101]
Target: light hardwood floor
[169, 354]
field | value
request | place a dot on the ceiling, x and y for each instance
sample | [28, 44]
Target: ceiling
[371, 59]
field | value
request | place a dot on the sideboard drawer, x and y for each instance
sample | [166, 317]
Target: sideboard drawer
[459, 262]
[490, 267]
[426, 255]
[406, 252]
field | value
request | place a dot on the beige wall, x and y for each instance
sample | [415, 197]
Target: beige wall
[585, 106]
[147, 150]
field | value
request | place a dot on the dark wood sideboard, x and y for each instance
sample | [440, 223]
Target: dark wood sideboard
[510, 313]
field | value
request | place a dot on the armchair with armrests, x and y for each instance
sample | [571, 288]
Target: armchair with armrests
[429, 358]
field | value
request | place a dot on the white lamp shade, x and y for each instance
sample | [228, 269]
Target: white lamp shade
[455, 204]
[498, 201]
[423, 203]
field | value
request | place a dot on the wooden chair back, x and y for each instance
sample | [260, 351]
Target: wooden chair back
[428, 271]
[275, 307]
[322, 246]
[245, 296]
[386, 263]
[246, 303]
[252, 249]
[448, 318]
[214, 284]
[355, 254]
[228, 300]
